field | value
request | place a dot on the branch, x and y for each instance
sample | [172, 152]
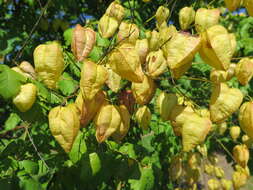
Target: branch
[7, 135]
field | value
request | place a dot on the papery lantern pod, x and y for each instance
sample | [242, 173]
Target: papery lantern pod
[224, 102]
[194, 160]
[235, 132]
[143, 117]
[107, 122]
[83, 41]
[76, 115]
[93, 77]
[209, 169]
[113, 81]
[28, 68]
[186, 17]
[194, 131]
[126, 98]
[176, 167]
[156, 63]
[142, 48]
[216, 48]
[124, 60]
[153, 40]
[244, 170]
[218, 76]
[226, 184]
[241, 155]
[49, 63]
[116, 10]
[192, 176]
[246, 118]
[178, 116]
[213, 184]
[89, 108]
[232, 5]
[202, 150]
[166, 34]
[182, 100]
[222, 128]
[20, 71]
[128, 33]
[233, 42]
[249, 6]
[205, 18]
[165, 104]
[239, 179]
[25, 99]
[244, 71]
[162, 14]
[203, 112]
[178, 72]
[107, 26]
[181, 49]
[64, 126]
[231, 71]
[246, 140]
[143, 92]
[125, 124]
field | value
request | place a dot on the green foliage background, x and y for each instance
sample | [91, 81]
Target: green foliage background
[30, 159]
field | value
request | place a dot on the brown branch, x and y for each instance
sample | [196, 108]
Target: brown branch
[7, 134]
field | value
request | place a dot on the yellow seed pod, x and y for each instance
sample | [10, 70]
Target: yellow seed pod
[178, 117]
[113, 81]
[226, 184]
[231, 71]
[181, 50]
[142, 48]
[83, 41]
[209, 169]
[165, 104]
[143, 117]
[202, 150]
[144, 92]
[235, 132]
[232, 5]
[205, 18]
[178, 72]
[107, 122]
[125, 123]
[246, 140]
[203, 112]
[241, 155]
[224, 102]
[49, 63]
[18, 70]
[107, 26]
[246, 118]
[186, 17]
[222, 128]
[116, 10]
[233, 42]
[216, 48]
[218, 76]
[153, 40]
[176, 167]
[239, 179]
[244, 71]
[64, 126]
[156, 63]
[28, 68]
[249, 6]
[165, 35]
[219, 172]
[128, 33]
[194, 131]
[93, 77]
[213, 184]
[192, 176]
[162, 14]
[25, 99]
[184, 101]
[124, 60]
[194, 160]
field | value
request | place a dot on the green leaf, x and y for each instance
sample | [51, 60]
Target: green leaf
[12, 121]
[78, 149]
[30, 167]
[68, 36]
[10, 82]
[67, 84]
[30, 184]
[95, 163]
[102, 42]
[96, 53]
[128, 149]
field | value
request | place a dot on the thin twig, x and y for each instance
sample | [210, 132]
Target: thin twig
[35, 148]
[19, 54]
[5, 135]
[222, 145]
